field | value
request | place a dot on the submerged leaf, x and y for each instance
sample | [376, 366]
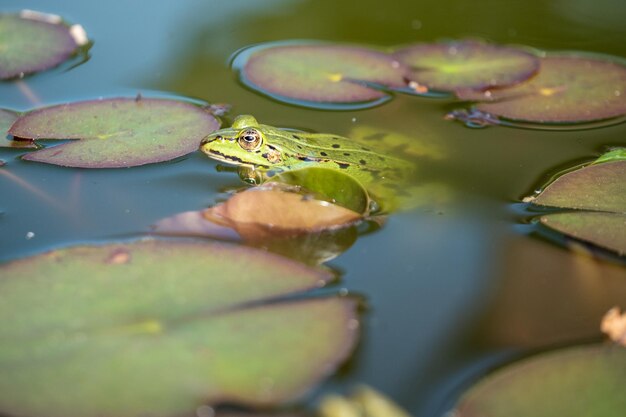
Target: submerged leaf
[317, 74]
[32, 42]
[6, 120]
[597, 194]
[454, 66]
[158, 328]
[567, 89]
[115, 133]
[579, 381]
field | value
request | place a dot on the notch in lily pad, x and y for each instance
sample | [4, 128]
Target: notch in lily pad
[569, 89]
[176, 323]
[33, 41]
[594, 199]
[321, 75]
[466, 64]
[116, 132]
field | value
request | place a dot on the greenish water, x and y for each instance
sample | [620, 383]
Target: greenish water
[452, 289]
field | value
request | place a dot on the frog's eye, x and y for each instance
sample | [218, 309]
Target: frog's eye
[249, 139]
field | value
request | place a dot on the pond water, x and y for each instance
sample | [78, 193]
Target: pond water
[453, 288]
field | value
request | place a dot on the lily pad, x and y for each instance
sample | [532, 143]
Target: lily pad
[597, 194]
[277, 209]
[158, 328]
[466, 64]
[32, 42]
[578, 381]
[328, 185]
[116, 133]
[319, 75]
[567, 89]
[6, 120]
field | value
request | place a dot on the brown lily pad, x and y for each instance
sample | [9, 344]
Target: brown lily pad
[467, 64]
[117, 132]
[322, 75]
[567, 89]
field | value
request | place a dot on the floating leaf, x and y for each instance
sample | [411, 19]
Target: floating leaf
[321, 74]
[614, 325]
[6, 119]
[579, 381]
[328, 185]
[567, 89]
[115, 133]
[607, 230]
[158, 328]
[32, 42]
[598, 195]
[461, 65]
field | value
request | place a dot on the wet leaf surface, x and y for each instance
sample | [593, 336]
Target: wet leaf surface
[578, 381]
[567, 89]
[461, 65]
[7, 118]
[116, 133]
[278, 209]
[597, 194]
[318, 74]
[32, 42]
[158, 328]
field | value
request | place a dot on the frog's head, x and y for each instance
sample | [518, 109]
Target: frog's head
[244, 143]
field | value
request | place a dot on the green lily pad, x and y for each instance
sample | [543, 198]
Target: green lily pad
[115, 133]
[7, 118]
[461, 65]
[597, 194]
[328, 185]
[578, 381]
[567, 89]
[32, 42]
[322, 75]
[158, 328]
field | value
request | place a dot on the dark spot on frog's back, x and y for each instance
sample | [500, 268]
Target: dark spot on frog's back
[343, 166]
[323, 154]
[296, 137]
[336, 145]
[362, 162]
[346, 154]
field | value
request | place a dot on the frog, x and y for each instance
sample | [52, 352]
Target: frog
[262, 150]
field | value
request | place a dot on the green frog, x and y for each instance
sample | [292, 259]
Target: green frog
[266, 150]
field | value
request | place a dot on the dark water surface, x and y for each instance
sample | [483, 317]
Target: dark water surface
[453, 289]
